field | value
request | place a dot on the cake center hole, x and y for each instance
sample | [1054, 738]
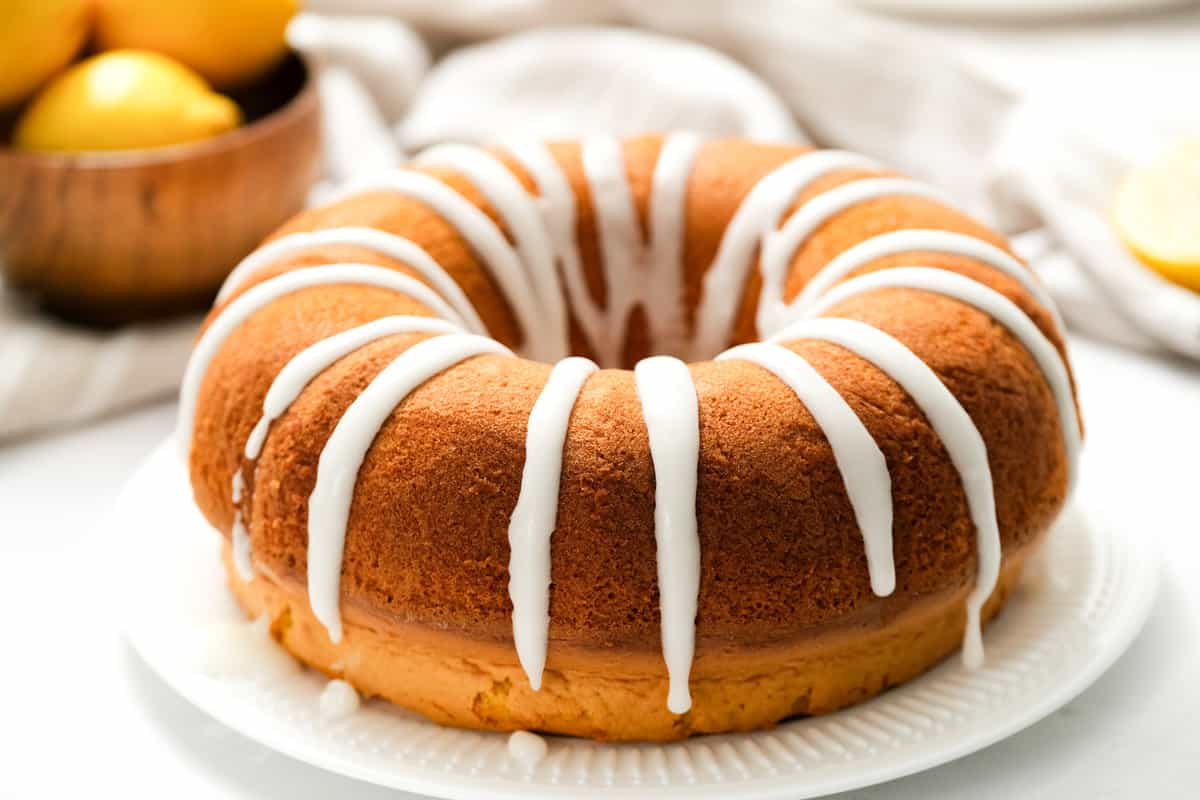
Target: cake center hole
[636, 342]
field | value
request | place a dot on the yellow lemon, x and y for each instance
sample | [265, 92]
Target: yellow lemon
[123, 100]
[1157, 214]
[37, 39]
[229, 42]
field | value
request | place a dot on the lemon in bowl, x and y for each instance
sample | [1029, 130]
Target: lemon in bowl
[37, 39]
[123, 100]
[229, 42]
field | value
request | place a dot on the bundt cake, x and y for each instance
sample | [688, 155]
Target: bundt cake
[395, 416]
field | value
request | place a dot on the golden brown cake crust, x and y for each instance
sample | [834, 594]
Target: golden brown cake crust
[782, 556]
[615, 694]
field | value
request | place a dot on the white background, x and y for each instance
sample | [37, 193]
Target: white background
[81, 714]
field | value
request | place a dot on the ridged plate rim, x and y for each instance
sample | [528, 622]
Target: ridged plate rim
[1087, 600]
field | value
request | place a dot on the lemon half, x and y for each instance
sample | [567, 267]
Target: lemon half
[1157, 214]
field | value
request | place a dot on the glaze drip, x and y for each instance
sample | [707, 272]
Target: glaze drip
[954, 427]
[290, 382]
[671, 411]
[533, 518]
[859, 459]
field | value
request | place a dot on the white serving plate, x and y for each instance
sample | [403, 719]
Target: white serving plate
[1083, 600]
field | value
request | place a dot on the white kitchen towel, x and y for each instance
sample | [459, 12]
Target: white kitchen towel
[53, 374]
[568, 82]
[1041, 170]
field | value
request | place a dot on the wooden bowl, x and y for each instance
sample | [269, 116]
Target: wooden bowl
[116, 236]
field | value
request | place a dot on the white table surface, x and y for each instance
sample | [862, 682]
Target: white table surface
[82, 715]
[81, 711]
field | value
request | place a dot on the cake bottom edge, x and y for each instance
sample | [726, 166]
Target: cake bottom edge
[611, 696]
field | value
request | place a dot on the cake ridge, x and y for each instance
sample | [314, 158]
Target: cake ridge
[264, 293]
[918, 240]
[386, 244]
[954, 427]
[861, 462]
[291, 380]
[484, 237]
[759, 215]
[996, 306]
[329, 504]
[780, 246]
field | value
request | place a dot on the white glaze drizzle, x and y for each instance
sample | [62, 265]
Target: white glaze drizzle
[556, 204]
[622, 249]
[520, 215]
[914, 240]
[863, 468]
[268, 291]
[386, 244]
[338, 700]
[533, 518]
[758, 215]
[671, 411]
[999, 308]
[527, 749]
[635, 272]
[484, 237]
[291, 380]
[781, 245]
[663, 298]
[319, 356]
[344, 451]
[954, 427]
